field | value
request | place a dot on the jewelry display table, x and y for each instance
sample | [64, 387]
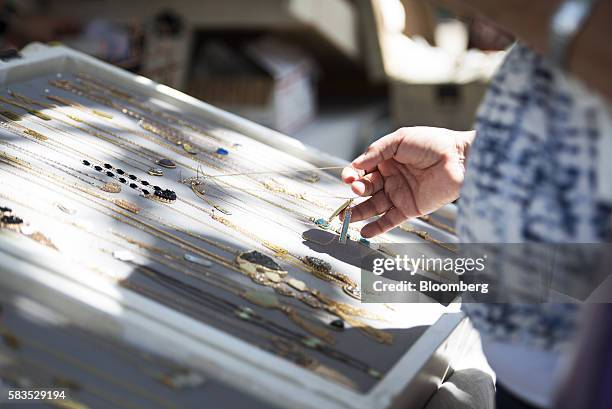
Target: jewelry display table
[142, 215]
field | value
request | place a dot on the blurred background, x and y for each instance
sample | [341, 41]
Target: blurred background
[335, 74]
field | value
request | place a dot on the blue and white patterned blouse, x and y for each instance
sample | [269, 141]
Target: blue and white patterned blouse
[538, 171]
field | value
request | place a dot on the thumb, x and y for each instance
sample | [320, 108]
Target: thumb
[379, 151]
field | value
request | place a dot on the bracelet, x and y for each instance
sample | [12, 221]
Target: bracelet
[564, 25]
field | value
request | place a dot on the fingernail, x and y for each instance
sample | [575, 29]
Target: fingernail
[359, 187]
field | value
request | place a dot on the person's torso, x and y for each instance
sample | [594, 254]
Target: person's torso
[534, 175]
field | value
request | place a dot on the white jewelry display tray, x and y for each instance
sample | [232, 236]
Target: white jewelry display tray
[101, 306]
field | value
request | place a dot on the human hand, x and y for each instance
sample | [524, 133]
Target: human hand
[408, 173]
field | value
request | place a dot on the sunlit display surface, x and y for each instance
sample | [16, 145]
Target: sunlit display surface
[109, 173]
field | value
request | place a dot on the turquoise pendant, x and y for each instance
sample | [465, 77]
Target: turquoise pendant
[364, 241]
[345, 225]
[322, 223]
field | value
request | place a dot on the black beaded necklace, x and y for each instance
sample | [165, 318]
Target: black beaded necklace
[134, 182]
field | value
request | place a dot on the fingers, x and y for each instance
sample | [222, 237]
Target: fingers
[368, 184]
[379, 151]
[350, 174]
[377, 204]
[394, 217]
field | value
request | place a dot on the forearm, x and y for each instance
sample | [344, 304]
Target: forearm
[589, 55]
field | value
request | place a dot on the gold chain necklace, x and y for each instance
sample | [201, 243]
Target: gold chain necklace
[224, 306]
[339, 309]
[428, 219]
[288, 340]
[299, 262]
[138, 151]
[57, 165]
[294, 260]
[283, 254]
[93, 84]
[98, 373]
[62, 382]
[18, 104]
[247, 294]
[426, 236]
[275, 187]
[297, 355]
[258, 298]
[106, 187]
[134, 357]
[150, 155]
[276, 249]
[66, 85]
